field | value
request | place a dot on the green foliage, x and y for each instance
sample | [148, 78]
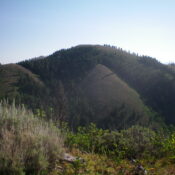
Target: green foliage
[137, 141]
[169, 146]
[122, 152]
[28, 145]
[134, 142]
[86, 138]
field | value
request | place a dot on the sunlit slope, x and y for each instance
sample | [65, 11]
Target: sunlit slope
[16, 82]
[107, 93]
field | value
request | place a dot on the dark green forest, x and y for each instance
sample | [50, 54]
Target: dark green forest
[92, 83]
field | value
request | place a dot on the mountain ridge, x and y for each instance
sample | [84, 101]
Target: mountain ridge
[63, 73]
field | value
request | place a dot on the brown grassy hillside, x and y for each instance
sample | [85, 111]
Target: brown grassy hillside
[13, 78]
[107, 92]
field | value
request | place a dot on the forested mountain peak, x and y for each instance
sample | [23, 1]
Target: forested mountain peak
[135, 87]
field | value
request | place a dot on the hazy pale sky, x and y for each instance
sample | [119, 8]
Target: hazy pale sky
[30, 28]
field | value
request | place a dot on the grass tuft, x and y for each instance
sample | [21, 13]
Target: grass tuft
[28, 145]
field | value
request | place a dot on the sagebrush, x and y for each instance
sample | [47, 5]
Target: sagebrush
[28, 145]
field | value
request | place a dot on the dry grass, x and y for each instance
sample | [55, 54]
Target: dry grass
[27, 144]
[10, 75]
[106, 90]
[15, 69]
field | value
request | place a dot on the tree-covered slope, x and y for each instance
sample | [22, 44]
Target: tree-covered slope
[151, 79]
[17, 82]
[128, 82]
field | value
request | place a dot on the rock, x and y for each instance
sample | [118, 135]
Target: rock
[71, 159]
[139, 169]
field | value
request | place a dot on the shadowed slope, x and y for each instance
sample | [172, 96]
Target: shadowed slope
[19, 83]
[107, 93]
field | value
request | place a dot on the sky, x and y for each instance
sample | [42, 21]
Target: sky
[31, 28]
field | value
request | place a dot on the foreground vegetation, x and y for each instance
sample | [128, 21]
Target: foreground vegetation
[122, 152]
[28, 145]
[31, 146]
[98, 164]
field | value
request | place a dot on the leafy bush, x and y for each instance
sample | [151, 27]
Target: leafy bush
[28, 145]
[135, 142]
[168, 147]
[86, 138]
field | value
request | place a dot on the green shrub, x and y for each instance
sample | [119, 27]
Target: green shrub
[168, 146]
[135, 142]
[86, 138]
[28, 145]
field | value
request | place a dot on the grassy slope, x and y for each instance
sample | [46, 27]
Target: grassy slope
[10, 75]
[105, 87]
[151, 79]
[107, 92]
[20, 83]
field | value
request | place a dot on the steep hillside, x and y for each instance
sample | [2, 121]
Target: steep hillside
[110, 97]
[20, 84]
[102, 84]
[151, 79]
